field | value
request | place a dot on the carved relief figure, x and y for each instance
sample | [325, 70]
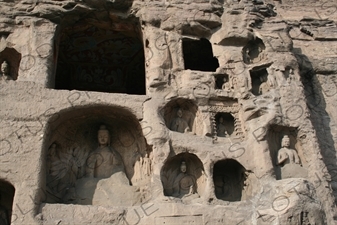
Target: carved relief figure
[104, 161]
[225, 85]
[105, 182]
[184, 184]
[138, 169]
[5, 71]
[286, 155]
[264, 87]
[179, 124]
[63, 169]
[221, 129]
[289, 162]
[142, 168]
[146, 165]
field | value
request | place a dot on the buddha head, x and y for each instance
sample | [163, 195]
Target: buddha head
[285, 141]
[103, 136]
[183, 167]
[5, 68]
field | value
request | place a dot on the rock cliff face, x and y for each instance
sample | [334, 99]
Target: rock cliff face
[168, 112]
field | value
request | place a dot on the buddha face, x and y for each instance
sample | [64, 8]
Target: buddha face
[183, 167]
[221, 120]
[103, 138]
[4, 67]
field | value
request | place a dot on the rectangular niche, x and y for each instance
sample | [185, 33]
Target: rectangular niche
[286, 152]
[225, 119]
[106, 56]
[198, 55]
[259, 80]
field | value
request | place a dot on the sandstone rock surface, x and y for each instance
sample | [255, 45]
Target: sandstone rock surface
[214, 112]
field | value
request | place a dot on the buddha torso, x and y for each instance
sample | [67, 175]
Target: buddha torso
[103, 162]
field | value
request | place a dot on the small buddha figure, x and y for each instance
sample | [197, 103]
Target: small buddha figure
[184, 184]
[264, 87]
[289, 165]
[179, 124]
[5, 71]
[286, 155]
[225, 85]
[104, 161]
[221, 129]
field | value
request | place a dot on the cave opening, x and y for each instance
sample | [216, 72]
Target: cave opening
[101, 56]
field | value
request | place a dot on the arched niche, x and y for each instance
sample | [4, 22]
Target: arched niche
[75, 161]
[6, 202]
[181, 115]
[229, 180]
[224, 124]
[286, 152]
[102, 52]
[13, 58]
[183, 176]
[253, 51]
[198, 55]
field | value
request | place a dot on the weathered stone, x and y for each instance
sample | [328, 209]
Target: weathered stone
[216, 112]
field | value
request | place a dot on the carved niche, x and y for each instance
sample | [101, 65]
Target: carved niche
[222, 82]
[261, 81]
[6, 202]
[253, 51]
[225, 119]
[10, 63]
[229, 180]
[286, 152]
[183, 177]
[105, 56]
[182, 115]
[92, 157]
[198, 55]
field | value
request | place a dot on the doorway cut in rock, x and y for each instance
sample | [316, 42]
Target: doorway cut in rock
[228, 178]
[101, 56]
[198, 55]
[6, 202]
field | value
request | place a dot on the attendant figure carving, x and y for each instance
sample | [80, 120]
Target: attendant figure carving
[5, 71]
[264, 87]
[225, 85]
